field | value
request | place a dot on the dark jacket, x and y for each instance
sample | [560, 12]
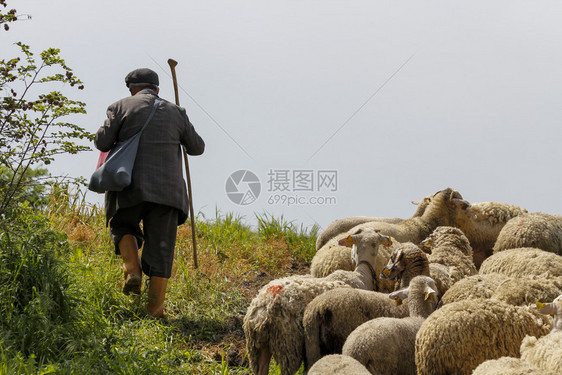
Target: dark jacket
[157, 174]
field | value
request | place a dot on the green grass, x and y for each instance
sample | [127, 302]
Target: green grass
[63, 311]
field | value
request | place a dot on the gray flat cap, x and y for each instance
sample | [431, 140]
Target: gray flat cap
[142, 75]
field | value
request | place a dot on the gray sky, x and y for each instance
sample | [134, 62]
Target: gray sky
[399, 98]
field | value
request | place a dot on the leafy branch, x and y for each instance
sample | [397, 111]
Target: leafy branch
[32, 126]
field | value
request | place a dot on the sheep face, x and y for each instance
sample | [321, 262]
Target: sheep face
[443, 235]
[407, 256]
[365, 244]
[449, 200]
[395, 266]
[424, 289]
[553, 308]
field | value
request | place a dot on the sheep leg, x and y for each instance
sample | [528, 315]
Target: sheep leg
[263, 361]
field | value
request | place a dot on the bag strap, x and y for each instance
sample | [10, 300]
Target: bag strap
[156, 102]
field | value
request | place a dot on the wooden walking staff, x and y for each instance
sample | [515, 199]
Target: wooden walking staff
[173, 64]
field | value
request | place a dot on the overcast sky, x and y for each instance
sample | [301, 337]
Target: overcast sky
[339, 108]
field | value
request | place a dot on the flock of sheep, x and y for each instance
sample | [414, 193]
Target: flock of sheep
[457, 288]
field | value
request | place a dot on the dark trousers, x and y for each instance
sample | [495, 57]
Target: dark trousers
[158, 233]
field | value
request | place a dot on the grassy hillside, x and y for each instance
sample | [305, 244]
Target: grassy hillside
[64, 312]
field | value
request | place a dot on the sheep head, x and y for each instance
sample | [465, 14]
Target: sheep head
[405, 258]
[553, 308]
[444, 235]
[426, 245]
[423, 296]
[445, 206]
[393, 270]
[365, 244]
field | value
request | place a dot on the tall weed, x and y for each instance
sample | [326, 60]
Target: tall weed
[61, 293]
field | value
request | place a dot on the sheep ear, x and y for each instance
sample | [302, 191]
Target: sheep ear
[357, 231]
[426, 245]
[540, 306]
[347, 242]
[399, 255]
[428, 292]
[546, 308]
[386, 241]
[460, 203]
[399, 294]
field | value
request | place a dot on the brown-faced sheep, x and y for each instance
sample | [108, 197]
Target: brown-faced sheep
[408, 253]
[406, 262]
[449, 261]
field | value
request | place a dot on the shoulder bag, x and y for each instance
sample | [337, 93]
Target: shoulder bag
[115, 173]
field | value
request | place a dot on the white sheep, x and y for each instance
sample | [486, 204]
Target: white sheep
[448, 246]
[526, 290]
[273, 322]
[523, 261]
[329, 318]
[336, 255]
[540, 356]
[546, 352]
[518, 291]
[459, 336]
[509, 366]
[482, 222]
[386, 345]
[473, 287]
[554, 308]
[442, 209]
[536, 230]
[365, 245]
[345, 224]
[338, 364]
